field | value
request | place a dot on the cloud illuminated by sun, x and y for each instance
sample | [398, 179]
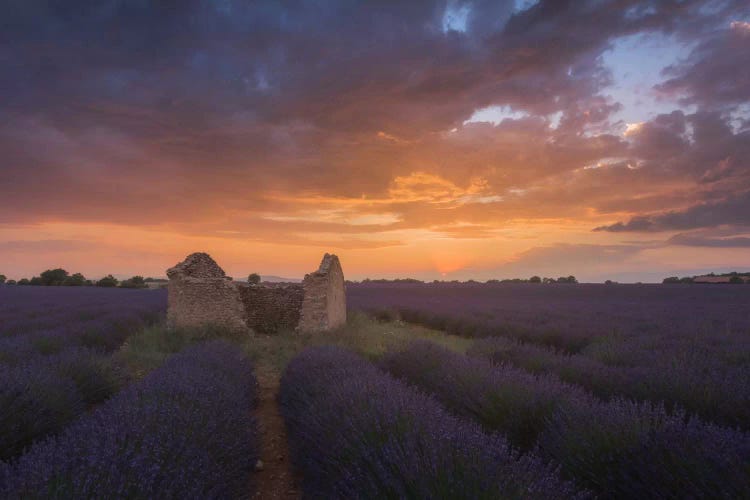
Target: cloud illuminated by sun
[632, 129]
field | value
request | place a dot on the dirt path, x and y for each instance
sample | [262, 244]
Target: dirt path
[275, 480]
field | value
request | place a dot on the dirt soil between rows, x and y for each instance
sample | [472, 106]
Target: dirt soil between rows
[275, 479]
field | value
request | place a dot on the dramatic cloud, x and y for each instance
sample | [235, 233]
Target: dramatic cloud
[717, 73]
[387, 131]
[732, 211]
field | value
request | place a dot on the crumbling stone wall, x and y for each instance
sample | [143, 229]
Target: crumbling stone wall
[272, 307]
[324, 305]
[200, 293]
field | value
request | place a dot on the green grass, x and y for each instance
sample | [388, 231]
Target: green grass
[146, 350]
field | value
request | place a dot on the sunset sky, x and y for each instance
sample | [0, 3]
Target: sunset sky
[609, 139]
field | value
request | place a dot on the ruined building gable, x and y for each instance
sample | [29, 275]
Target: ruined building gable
[200, 293]
[324, 305]
[197, 265]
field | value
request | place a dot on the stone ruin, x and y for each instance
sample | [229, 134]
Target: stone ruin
[201, 293]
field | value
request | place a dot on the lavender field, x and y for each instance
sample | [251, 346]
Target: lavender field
[683, 346]
[56, 346]
[76, 422]
[517, 391]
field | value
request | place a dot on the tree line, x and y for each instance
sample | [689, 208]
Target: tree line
[61, 277]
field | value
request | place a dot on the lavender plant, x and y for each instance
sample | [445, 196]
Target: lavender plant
[34, 401]
[358, 433]
[501, 398]
[703, 384]
[619, 449]
[624, 449]
[185, 431]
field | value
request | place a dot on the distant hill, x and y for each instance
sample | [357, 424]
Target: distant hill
[279, 279]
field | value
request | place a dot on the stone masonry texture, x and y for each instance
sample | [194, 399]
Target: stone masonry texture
[200, 293]
[324, 305]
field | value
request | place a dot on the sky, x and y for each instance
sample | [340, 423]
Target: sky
[608, 139]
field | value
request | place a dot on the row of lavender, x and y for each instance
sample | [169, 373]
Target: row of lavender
[681, 345]
[618, 449]
[59, 364]
[691, 378]
[184, 431]
[356, 432]
[44, 320]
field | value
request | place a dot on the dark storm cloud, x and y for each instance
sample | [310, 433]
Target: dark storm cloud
[732, 211]
[699, 240]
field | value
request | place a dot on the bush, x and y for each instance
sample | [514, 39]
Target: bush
[53, 277]
[134, 282]
[185, 431]
[75, 280]
[108, 281]
[253, 279]
[356, 432]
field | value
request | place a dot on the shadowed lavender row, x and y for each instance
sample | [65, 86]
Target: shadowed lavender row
[105, 334]
[356, 432]
[620, 449]
[42, 396]
[185, 431]
[715, 388]
[51, 374]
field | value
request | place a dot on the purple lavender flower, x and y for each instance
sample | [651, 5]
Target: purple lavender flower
[356, 432]
[185, 431]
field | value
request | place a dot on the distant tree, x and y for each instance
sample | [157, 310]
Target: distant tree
[535, 279]
[2, 279]
[10, 282]
[610, 282]
[568, 279]
[36, 281]
[686, 280]
[548, 280]
[134, 282]
[108, 281]
[736, 280]
[670, 280]
[24, 281]
[53, 277]
[76, 279]
[253, 278]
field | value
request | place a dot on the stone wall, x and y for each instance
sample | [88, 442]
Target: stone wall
[272, 307]
[200, 293]
[324, 305]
